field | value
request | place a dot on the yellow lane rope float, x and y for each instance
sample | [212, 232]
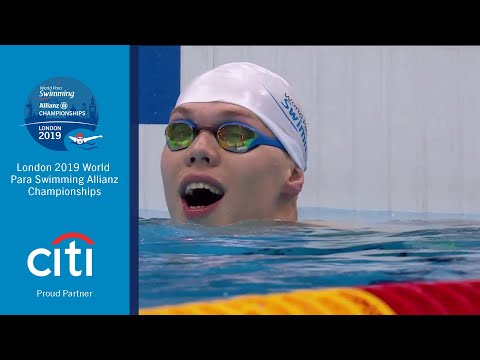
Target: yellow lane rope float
[348, 301]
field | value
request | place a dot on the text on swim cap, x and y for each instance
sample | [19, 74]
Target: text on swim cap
[296, 118]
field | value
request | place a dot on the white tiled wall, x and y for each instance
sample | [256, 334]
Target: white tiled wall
[390, 128]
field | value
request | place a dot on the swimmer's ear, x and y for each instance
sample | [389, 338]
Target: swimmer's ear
[294, 183]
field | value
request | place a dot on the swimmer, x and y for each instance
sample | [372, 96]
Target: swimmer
[236, 148]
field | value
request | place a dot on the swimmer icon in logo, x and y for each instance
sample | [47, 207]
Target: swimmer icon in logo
[79, 139]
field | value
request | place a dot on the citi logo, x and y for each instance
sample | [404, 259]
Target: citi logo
[72, 251]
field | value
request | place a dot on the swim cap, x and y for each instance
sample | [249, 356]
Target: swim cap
[261, 91]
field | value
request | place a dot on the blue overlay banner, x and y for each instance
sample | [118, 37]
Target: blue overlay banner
[65, 180]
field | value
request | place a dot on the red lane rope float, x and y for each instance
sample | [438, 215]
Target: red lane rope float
[431, 298]
[415, 298]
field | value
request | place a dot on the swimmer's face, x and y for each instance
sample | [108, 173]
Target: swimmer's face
[208, 185]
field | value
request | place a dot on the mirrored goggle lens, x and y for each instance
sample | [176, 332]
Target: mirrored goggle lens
[236, 138]
[179, 136]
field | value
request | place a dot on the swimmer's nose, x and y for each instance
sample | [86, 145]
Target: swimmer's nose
[203, 151]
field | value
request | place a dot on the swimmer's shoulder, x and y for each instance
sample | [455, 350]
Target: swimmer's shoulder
[380, 228]
[332, 225]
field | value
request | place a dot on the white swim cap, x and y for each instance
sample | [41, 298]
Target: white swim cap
[261, 91]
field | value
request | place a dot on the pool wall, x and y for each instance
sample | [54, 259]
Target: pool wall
[390, 128]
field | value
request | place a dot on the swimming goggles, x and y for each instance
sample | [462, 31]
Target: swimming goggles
[232, 136]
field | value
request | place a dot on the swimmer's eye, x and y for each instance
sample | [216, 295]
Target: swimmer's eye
[179, 136]
[235, 137]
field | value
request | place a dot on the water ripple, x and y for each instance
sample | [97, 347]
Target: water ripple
[194, 263]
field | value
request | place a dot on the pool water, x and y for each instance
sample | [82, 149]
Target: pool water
[184, 263]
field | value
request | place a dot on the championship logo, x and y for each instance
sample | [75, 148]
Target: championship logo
[61, 114]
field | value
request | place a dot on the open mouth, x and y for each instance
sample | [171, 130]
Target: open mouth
[197, 195]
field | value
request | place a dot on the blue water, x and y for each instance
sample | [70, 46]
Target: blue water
[183, 263]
